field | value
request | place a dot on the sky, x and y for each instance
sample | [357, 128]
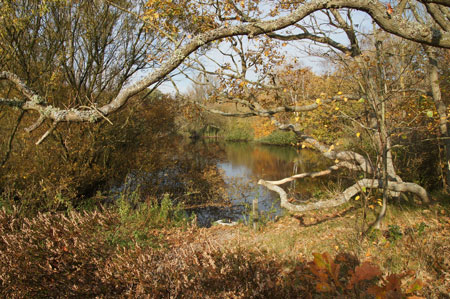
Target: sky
[295, 50]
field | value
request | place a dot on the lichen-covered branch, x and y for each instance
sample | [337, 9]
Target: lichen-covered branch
[347, 194]
[376, 9]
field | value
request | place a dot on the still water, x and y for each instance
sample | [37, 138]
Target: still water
[226, 174]
[244, 164]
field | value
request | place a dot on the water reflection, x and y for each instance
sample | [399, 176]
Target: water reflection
[217, 180]
[245, 163]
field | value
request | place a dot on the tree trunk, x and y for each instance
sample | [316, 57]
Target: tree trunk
[433, 77]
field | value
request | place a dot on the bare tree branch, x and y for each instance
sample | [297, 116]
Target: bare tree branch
[347, 194]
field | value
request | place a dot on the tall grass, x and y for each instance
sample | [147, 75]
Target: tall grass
[139, 222]
[279, 137]
[239, 131]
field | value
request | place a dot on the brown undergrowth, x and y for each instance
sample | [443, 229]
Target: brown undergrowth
[319, 256]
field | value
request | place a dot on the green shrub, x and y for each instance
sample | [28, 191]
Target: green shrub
[139, 222]
[279, 137]
[239, 132]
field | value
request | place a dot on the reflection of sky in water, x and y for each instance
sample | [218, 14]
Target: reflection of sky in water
[244, 165]
[231, 170]
[242, 189]
[241, 165]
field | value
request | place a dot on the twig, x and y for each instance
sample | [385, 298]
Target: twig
[36, 125]
[54, 124]
[11, 138]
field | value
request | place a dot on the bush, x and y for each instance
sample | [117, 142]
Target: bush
[78, 160]
[279, 137]
[139, 222]
[239, 132]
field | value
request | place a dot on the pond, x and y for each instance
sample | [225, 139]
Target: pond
[229, 171]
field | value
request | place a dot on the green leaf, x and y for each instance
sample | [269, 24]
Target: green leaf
[319, 261]
[361, 100]
[417, 285]
[430, 113]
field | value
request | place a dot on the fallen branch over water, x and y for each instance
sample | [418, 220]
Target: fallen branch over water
[345, 196]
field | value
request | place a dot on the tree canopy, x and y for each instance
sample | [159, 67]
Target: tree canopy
[83, 61]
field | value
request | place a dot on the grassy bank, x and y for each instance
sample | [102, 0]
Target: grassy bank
[244, 132]
[279, 138]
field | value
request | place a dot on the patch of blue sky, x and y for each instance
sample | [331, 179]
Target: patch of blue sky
[303, 53]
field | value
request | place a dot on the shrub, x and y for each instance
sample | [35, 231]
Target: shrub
[279, 137]
[139, 222]
[239, 132]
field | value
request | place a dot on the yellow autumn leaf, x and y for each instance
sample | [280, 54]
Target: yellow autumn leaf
[284, 90]
[332, 147]
[297, 118]
[336, 161]
[357, 197]
[303, 146]
[318, 101]
[345, 99]
[358, 134]
[339, 92]
[337, 108]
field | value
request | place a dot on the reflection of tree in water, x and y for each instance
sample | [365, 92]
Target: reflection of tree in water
[313, 188]
[187, 172]
[273, 162]
[276, 162]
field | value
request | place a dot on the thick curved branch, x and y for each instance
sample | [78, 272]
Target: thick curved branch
[395, 25]
[228, 114]
[347, 194]
[356, 161]
[257, 110]
[304, 175]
